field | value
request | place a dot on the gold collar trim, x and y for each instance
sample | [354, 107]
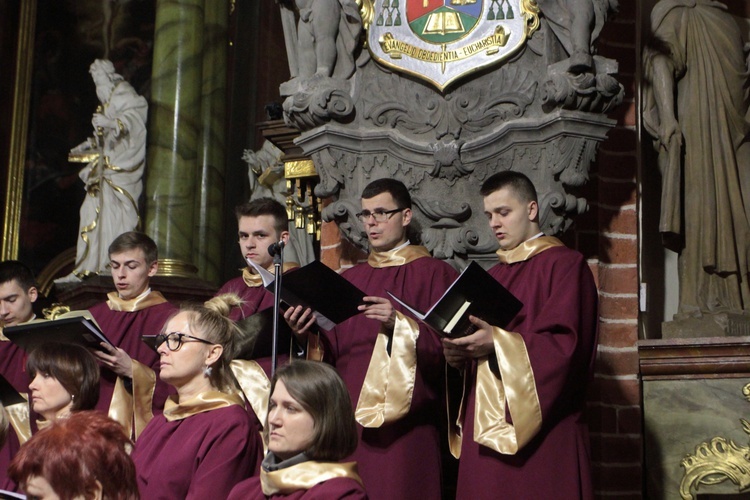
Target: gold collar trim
[115, 303]
[203, 402]
[305, 475]
[397, 257]
[528, 249]
[254, 280]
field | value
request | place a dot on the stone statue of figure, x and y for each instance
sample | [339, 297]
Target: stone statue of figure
[113, 178]
[695, 105]
[577, 24]
[328, 33]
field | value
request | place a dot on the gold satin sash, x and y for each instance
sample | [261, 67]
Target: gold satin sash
[203, 402]
[115, 303]
[134, 411]
[254, 280]
[389, 383]
[255, 386]
[528, 249]
[455, 425]
[20, 420]
[397, 257]
[304, 476]
[516, 386]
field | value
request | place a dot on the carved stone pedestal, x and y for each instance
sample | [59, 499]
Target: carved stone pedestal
[710, 325]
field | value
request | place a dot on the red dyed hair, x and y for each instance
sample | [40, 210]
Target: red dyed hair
[74, 453]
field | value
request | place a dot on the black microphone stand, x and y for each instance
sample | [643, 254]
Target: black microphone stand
[277, 250]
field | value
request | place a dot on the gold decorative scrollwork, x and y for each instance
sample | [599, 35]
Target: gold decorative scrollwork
[716, 461]
[367, 12]
[531, 9]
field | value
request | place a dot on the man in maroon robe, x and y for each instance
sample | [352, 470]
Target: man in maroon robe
[18, 292]
[393, 368]
[129, 385]
[524, 432]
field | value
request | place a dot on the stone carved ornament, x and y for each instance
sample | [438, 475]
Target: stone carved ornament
[541, 112]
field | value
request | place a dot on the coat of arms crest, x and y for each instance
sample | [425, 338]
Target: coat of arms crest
[444, 40]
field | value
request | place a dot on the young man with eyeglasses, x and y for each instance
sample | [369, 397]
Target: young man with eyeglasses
[543, 360]
[393, 367]
[129, 388]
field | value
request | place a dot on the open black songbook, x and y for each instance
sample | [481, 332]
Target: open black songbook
[331, 297]
[76, 330]
[475, 293]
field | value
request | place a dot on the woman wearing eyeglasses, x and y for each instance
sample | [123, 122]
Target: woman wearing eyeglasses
[310, 427]
[205, 442]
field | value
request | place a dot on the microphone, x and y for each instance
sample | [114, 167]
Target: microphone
[276, 248]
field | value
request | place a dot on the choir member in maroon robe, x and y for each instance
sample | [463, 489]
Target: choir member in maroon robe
[310, 427]
[205, 441]
[524, 431]
[84, 456]
[128, 380]
[398, 388]
[18, 292]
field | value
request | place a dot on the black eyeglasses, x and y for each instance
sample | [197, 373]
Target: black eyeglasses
[175, 340]
[379, 215]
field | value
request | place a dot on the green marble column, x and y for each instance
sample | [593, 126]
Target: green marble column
[174, 130]
[208, 233]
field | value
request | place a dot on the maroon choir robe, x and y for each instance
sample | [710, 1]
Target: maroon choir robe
[198, 456]
[334, 489]
[399, 459]
[124, 329]
[308, 480]
[557, 329]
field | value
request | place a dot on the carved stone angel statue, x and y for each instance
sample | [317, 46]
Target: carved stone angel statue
[113, 176]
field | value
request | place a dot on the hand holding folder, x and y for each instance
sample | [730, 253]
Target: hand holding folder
[72, 330]
[475, 293]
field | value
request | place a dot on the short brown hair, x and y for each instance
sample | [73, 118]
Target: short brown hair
[14, 270]
[265, 206]
[321, 392]
[395, 188]
[521, 185]
[72, 454]
[132, 240]
[71, 365]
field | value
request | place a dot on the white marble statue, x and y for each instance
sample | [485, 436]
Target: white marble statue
[113, 176]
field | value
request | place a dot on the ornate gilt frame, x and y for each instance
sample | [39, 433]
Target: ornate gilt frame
[19, 129]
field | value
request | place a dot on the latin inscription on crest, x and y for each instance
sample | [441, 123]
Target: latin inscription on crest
[443, 40]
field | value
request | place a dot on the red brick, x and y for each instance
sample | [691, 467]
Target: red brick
[617, 194]
[615, 449]
[625, 113]
[618, 221]
[618, 307]
[618, 279]
[350, 254]
[602, 418]
[624, 479]
[618, 250]
[329, 234]
[615, 391]
[629, 420]
[618, 334]
[617, 363]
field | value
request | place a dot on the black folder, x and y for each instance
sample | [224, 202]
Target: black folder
[474, 293]
[323, 290]
[76, 330]
[9, 396]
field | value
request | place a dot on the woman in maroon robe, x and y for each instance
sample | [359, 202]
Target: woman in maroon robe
[310, 427]
[204, 443]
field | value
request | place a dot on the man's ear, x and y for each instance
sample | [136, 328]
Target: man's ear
[533, 210]
[407, 216]
[284, 237]
[153, 267]
[33, 294]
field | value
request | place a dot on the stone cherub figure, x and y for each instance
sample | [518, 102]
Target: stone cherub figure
[113, 176]
[695, 105]
[577, 24]
[327, 35]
